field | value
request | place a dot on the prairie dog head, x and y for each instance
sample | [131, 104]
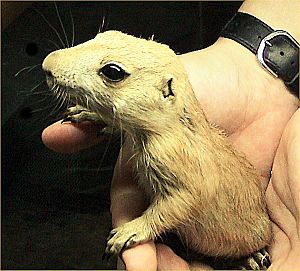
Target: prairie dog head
[139, 82]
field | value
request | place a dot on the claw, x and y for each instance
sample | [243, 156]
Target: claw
[263, 258]
[71, 119]
[253, 264]
[66, 119]
[71, 112]
[107, 253]
[111, 234]
[126, 244]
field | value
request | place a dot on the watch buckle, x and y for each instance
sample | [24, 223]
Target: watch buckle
[266, 41]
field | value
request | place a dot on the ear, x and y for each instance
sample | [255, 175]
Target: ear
[168, 90]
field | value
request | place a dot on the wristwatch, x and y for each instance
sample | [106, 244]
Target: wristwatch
[276, 50]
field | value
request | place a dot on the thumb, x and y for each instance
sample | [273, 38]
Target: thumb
[168, 260]
[127, 203]
[140, 257]
[71, 137]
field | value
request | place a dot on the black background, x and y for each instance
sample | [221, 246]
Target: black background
[55, 207]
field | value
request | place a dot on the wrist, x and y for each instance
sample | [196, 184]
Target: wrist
[232, 87]
[279, 14]
[251, 73]
[276, 50]
[268, 36]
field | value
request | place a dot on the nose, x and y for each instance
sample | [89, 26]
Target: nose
[48, 73]
[49, 64]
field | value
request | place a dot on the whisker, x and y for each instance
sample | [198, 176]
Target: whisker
[57, 92]
[54, 90]
[43, 93]
[87, 102]
[61, 24]
[29, 68]
[107, 146]
[100, 30]
[51, 26]
[68, 99]
[49, 115]
[60, 94]
[31, 91]
[133, 155]
[152, 37]
[39, 84]
[73, 27]
[45, 118]
[53, 43]
[39, 101]
[61, 101]
[42, 109]
[105, 18]
[121, 152]
[121, 137]
[57, 96]
[60, 104]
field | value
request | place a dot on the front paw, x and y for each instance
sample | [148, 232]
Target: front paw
[126, 236]
[76, 114]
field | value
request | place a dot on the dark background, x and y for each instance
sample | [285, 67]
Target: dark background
[55, 207]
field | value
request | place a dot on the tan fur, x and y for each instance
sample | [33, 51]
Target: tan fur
[199, 185]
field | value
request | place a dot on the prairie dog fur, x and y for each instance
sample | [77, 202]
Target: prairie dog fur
[199, 186]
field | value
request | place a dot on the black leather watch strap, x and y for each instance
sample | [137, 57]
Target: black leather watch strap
[276, 50]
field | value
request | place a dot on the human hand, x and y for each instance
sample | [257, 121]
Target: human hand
[238, 90]
[282, 197]
[251, 106]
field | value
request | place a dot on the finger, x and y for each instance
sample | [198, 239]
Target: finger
[283, 199]
[168, 260]
[293, 161]
[127, 198]
[127, 203]
[71, 137]
[197, 266]
[140, 257]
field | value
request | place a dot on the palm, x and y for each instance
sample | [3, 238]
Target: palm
[252, 108]
[236, 95]
[283, 199]
[242, 103]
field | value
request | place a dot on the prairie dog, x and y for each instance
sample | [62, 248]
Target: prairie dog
[199, 186]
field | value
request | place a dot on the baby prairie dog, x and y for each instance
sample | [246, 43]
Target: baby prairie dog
[199, 186]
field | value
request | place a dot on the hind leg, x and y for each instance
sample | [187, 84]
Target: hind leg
[259, 260]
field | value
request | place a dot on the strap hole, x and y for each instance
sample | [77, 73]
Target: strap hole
[293, 63]
[259, 37]
[281, 53]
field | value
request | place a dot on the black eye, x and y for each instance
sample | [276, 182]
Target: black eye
[113, 72]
